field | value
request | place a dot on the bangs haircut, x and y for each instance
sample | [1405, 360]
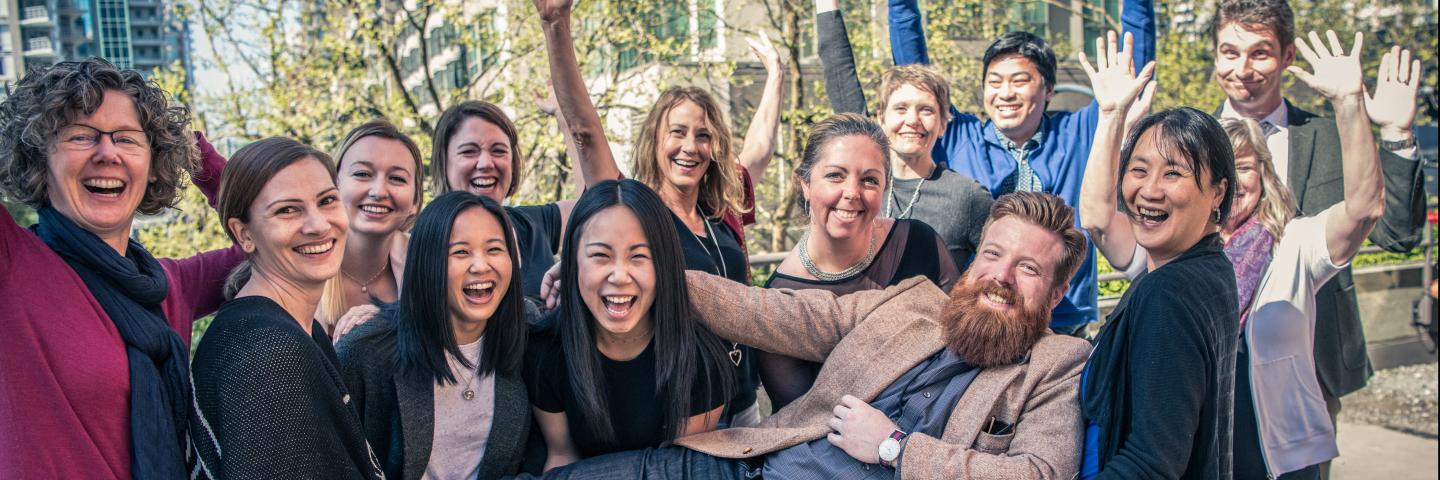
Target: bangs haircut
[1191, 138]
[683, 347]
[421, 326]
[51, 98]
[918, 75]
[721, 190]
[449, 124]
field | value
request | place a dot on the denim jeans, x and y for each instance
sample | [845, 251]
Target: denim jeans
[653, 464]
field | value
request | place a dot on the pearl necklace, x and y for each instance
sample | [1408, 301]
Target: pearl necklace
[814, 271]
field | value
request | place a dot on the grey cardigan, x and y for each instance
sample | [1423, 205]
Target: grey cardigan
[398, 410]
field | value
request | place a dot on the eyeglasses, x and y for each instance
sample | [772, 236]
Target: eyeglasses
[82, 138]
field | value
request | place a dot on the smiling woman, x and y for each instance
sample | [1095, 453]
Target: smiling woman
[266, 377]
[99, 323]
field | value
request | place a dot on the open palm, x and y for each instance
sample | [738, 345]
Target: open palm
[1396, 86]
[1116, 86]
[1336, 75]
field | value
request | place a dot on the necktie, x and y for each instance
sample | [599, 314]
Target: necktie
[1269, 129]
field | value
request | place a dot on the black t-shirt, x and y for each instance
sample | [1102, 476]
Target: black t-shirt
[700, 255]
[537, 231]
[911, 249]
[636, 412]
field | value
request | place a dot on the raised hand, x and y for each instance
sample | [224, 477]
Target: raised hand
[1392, 107]
[766, 53]
[1336, 75]
[551, 10]
[1114, 82]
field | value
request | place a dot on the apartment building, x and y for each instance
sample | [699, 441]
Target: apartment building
[139, 34]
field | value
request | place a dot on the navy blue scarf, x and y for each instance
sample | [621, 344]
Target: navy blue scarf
[131, 289]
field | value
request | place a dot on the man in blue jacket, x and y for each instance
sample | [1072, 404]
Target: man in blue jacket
[1019, 147]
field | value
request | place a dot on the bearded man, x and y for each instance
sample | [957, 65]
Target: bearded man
[915, 383]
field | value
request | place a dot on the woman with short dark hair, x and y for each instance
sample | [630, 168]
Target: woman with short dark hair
[435, 376]
[100, 325]
[629, 365]
[269, 399]
[1158, 391]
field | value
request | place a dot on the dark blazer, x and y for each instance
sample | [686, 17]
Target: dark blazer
[398, 410]
[1317, 180]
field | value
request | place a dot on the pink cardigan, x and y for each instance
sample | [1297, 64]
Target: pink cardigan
[64, 377]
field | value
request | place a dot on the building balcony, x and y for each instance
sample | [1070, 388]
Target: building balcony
[148, 41]
[39, 47]
[147, 21]
[35, 15]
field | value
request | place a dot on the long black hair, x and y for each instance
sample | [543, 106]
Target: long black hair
[1198, 141]
[421, 318]
[683, 347]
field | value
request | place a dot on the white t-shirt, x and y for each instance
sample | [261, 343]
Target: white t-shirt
[462, 427]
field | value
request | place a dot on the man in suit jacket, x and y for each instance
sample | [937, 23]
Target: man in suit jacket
[916, 383]
[1254, 45]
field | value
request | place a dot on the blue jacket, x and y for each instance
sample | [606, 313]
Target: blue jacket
[972, 146]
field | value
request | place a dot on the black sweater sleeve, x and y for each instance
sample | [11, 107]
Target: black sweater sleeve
[1399, 228]
[842, 84]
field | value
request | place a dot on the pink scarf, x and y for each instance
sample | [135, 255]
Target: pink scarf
[1249, 250]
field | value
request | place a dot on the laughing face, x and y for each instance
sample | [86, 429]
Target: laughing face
[1015, 96]
[1169, 210]
[480, 157]
[98, 180]
[479, 271]
[1002, 304]
[377, 183]
[683, 147]
[297, 225]
[616, 274]
[912, 121]
[1249, 65]
[846, 187]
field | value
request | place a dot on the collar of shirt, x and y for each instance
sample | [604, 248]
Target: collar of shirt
[1029, 146]
[1280, 117]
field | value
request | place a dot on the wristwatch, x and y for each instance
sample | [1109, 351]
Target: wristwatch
[1396, 145]
[890, 448]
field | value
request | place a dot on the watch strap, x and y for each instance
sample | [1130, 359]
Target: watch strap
[898, 436]
[1396, 145]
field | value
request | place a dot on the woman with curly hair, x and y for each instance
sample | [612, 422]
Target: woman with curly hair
[96, 370]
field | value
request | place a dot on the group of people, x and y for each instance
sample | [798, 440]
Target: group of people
[924, 326]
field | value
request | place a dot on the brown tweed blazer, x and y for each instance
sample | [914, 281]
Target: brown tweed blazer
[867, 340]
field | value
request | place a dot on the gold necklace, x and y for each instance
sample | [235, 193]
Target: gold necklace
[365, 287]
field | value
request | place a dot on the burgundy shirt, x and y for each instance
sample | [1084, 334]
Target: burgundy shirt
[64, 376]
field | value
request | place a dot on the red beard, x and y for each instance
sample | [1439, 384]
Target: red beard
[985, 337]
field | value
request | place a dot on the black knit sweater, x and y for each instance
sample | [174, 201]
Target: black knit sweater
[1161, 381]
[270, 402]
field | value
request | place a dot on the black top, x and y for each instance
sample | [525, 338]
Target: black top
[911, 249]
[700, 254]
[1160, 382]
[537, 231]
[636, 411]
[270, 402]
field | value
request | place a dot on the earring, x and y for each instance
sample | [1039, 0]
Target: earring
[1215, 215]
[247, 247]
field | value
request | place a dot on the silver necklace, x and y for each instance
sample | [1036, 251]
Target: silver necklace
[822, 275]
[913, 197]
[721, 269]
[469, 393]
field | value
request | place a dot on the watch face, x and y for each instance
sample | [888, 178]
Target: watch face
[889, 449]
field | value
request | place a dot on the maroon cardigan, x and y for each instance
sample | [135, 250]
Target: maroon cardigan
[64, 377]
